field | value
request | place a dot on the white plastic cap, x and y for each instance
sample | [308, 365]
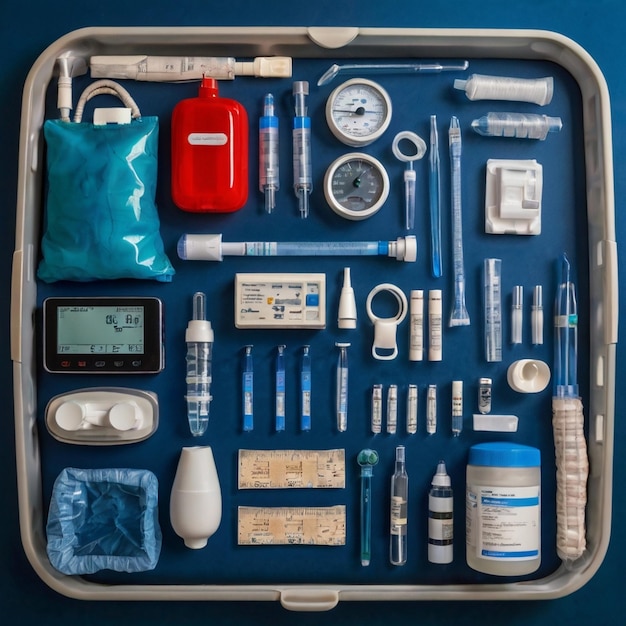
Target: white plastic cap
[265, 67]
[200, 247]
[404, 249]
[199, 331]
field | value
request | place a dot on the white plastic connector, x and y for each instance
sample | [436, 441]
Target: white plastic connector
[513, 197]
[265, 67]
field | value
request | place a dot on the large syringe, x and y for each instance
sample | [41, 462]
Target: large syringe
[212, 248]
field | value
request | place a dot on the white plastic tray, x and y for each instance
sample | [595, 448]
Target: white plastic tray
[351, 43]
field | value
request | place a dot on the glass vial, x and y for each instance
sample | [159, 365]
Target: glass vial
[399, 510]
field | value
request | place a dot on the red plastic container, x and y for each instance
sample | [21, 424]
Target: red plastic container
[209, 152]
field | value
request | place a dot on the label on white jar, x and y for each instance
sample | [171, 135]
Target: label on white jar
[503, 523]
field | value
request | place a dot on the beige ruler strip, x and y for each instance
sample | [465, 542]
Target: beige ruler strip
[313, 526]
[284, 469]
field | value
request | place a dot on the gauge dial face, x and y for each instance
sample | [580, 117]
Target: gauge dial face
[358, 112]
[356, 186]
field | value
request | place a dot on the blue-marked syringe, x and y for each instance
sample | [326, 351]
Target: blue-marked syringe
[434, 186]
[199, 339]
[280, 389]
[305, 390]
[301, 136]
[268, 153]
[247, 384]
[459, 315]
[212, 248]
[342, 387]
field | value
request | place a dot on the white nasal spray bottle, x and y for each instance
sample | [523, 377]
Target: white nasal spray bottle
[196, 499]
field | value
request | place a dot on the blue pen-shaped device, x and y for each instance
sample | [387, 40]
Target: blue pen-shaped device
[280, 389]
[305, 390]
[247, 382]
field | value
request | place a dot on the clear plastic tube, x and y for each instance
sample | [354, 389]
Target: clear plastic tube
[493, 309]
[301, 136]
[399, 510]
[459, 315]
[193, 247]
[342, 387]
[269, 180]
[517, 125]
[199, 340]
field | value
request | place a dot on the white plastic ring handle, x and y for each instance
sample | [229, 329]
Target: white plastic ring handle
[385, 347]
[415, 140]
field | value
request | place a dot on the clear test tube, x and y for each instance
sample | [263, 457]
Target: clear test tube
[537, 316]
[431, 410]
[492, 304]
[411, 410]
[377, 408]
[392, 409]
[517, 314]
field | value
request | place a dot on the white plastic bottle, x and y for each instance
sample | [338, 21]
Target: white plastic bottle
[196, 498]
[440, 517]
[503, 509]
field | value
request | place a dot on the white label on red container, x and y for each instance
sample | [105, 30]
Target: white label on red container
[207, 139]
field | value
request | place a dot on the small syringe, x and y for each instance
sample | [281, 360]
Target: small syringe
[342, 387]
[302, 167]
[199, 339]
[268, 153]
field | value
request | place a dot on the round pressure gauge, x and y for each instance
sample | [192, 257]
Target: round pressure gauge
[358, 112]
[356, 186]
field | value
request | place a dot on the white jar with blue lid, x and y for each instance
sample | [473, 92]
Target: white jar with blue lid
[503, 509]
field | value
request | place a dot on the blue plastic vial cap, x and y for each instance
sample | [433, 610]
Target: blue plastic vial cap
[504, 454]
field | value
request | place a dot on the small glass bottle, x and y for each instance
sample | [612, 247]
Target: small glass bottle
[399, 510]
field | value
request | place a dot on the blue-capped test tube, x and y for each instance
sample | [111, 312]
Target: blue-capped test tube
[302, 168]
[268, 153]
[247, 383]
